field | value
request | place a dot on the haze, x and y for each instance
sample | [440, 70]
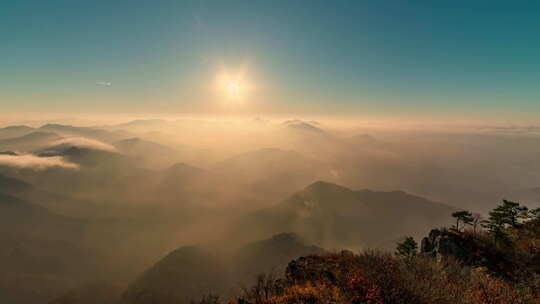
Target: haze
[220, 134]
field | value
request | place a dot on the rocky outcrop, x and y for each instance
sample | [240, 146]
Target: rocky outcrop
[318, 268]
[449, 243]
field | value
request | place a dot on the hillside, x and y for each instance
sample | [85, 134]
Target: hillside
[28, 142]
[184, 274]
[464, 264]
[94, 133]
[14, 131]
[21, 217]
[337, 217]
[147, 153]
[190, 272]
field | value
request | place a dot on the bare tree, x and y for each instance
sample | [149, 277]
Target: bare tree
[476, 221]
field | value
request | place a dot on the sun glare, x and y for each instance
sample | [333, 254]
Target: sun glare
[234, 89]
[233, 86]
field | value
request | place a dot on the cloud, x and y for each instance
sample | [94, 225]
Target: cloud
[104, 83]
[29, 161]
[302, 125]
[80, 142]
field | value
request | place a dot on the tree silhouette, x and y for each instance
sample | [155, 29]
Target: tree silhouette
[476, 221]
[464, 217]
[408, 248]
[508, 214]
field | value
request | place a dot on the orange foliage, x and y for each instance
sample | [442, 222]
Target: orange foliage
[493, 291]
[307, 294]
[363, 291]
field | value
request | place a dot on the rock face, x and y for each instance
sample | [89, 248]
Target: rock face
[446, 243]
[317, 267]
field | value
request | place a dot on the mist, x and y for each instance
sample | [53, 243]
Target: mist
[106, 202]
[34, 162]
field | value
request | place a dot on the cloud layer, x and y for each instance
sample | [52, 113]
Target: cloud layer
[80, 142]
[29, 161]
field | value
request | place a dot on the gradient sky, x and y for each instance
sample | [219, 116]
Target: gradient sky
[383, 58]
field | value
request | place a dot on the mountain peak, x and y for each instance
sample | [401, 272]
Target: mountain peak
[21, 127]
[54, 125]
[286, 237]
[183, 169]
[324, 187]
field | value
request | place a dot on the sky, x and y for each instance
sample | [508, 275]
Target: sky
[417, 59]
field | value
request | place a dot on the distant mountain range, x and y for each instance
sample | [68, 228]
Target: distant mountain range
[93, 133]
[130, 199]
[148, 153]
[337, 217]
[28, 142]
[14, 131]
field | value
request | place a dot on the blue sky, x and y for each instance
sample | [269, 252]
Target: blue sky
[383, 58]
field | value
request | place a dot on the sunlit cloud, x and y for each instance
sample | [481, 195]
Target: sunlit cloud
[80, 142]
[104, 83]
[29, 161]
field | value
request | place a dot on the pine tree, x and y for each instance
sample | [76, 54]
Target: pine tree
[464, 217]
[511, 213]
[508, 214]
[408, 248]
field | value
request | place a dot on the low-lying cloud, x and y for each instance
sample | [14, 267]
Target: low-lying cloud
[80, 142]
[29, 161]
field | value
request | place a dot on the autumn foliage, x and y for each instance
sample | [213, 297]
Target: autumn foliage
[498, 265]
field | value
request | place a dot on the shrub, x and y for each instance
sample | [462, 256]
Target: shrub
[307, 294]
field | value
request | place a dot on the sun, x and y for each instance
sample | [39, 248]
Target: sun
[234, 89]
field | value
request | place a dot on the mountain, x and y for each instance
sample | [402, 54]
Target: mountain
[138, 146]
[183, 275]
[142, 124]
[103, 293]
[94, 133]
[101, 176]
[272, 173]
[335, 216]
[188, 273]
[147, 153]
[276, 252]
[87, 157]
[28, 142]
[56, 203]
[14, 131]
[21, 217]
[366, 141]
[39, 254]
[179, 176]
[9, 185]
